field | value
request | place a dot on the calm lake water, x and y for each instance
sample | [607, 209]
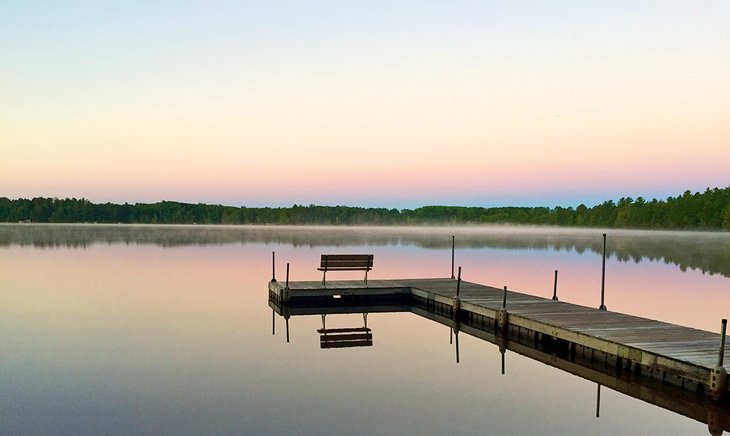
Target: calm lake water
[167, 330]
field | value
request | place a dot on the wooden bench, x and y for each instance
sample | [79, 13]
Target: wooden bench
[346, 262]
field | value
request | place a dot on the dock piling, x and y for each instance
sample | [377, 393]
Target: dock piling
[502, 313]
[287, 328]
[718, 375]
[603, 275]
[555, 287]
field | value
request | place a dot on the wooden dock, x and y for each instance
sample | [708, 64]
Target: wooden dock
[673, 354]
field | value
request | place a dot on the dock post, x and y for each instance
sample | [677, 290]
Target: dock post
[457, 302]
[286, 291]
[273, 266]
[287, 276]
[287, 328]
[456, 333]
[452, 256]
[723, 329]
[603, 275]
[598, 401]
[502, 313]
[555, 287]
[718, 375]
[273, 322]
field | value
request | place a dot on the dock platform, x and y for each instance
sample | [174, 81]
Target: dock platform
[674, 354]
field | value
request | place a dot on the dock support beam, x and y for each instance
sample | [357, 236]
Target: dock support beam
[718, 375]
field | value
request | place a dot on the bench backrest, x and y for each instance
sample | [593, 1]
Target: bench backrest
[347, 261]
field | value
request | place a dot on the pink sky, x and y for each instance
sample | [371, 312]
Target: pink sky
[374, 105]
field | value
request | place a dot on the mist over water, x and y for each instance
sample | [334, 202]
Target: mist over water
[708, 252]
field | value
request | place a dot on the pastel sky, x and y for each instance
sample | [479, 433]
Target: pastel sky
[364, 103]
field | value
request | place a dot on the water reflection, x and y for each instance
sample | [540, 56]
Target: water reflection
[142, 338]
[345, 337]
[708, 252]
[548, 351]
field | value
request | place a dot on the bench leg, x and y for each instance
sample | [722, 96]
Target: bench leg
[324, 274]
[366, 277]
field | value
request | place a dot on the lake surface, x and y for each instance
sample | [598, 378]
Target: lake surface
[167, 330]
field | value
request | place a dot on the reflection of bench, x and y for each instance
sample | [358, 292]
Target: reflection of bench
[345, 337]
[346, 262]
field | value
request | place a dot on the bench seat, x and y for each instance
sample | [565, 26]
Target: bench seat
[346, 262]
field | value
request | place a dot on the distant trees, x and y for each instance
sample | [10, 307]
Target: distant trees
[709, 210]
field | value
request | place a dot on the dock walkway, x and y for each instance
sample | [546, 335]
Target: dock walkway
[679, 355]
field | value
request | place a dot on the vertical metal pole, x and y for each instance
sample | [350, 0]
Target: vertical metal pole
[452, 256]
[273, 266]
[287, 329]
[555, 287]
[457, 347]
[598, 402]
[458, 283]
[451, 335]
[721, 357]
[504, 298]
[603, 275]
[502, 363]
[287, 276]
[273, 322]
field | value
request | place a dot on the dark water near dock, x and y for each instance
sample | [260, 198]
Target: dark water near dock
[146, 330]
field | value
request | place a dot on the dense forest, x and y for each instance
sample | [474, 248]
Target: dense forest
[709, 210]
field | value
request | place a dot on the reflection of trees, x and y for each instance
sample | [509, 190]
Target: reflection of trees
[706, 251]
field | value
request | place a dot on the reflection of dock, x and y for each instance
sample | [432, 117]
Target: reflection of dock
[613, 350]
[555, 353]
[674, 354]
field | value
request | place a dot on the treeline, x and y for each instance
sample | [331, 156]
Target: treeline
[709, 210]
